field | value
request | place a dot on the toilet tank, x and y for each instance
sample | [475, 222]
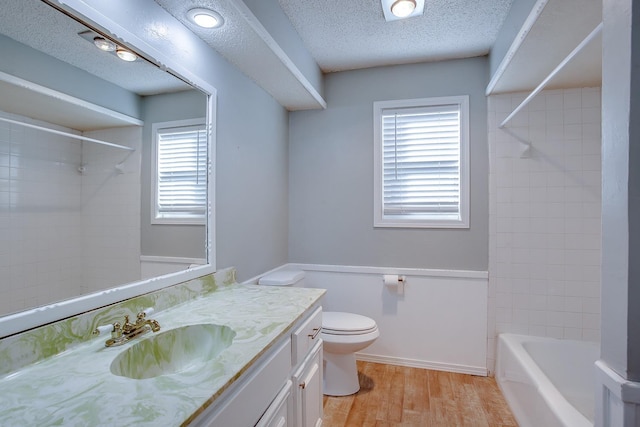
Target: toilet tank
[283, 278]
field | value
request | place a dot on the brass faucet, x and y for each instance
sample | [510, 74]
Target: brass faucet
[120, 334]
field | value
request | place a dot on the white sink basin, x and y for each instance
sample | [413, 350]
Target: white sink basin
[173, 351]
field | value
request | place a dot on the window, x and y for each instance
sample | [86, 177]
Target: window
[421, 163]
[180, 195]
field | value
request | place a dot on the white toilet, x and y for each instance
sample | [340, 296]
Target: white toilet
[343, 334]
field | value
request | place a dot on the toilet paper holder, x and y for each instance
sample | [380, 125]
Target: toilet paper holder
[395, 282]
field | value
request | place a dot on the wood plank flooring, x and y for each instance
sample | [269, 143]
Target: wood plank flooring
[394, 396]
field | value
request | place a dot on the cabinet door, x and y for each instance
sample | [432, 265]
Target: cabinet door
[251, 395]
[278, 413]
[309, 389]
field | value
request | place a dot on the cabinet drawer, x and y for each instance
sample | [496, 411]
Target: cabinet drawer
[306, 336]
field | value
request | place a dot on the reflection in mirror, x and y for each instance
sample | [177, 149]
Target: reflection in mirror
[77, 203]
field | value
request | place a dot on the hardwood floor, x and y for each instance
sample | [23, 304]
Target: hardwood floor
[393, 396]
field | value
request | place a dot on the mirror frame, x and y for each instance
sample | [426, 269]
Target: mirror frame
[152, 45]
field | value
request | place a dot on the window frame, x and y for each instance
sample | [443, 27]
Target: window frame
[177, 220]
[381, 220]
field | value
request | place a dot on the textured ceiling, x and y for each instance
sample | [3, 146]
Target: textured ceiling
[243, 47]
[339, 34]
[344, 35]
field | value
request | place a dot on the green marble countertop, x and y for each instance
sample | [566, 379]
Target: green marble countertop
[77, 388]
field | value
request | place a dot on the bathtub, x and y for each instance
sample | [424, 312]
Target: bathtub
[547, 382]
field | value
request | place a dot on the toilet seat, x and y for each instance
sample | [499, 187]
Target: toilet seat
[339, 323]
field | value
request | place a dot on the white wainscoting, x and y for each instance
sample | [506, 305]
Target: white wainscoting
[439, 323]
[154, 266]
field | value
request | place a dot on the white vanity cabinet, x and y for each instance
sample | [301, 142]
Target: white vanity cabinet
[252, 395]
[282, 389]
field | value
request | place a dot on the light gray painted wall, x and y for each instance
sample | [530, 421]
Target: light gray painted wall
[620, 345]
[37, 67]
[331, 172]
[518, 13]
[168, 239]
[252, 180]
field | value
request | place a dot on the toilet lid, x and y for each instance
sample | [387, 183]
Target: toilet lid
[335, 322]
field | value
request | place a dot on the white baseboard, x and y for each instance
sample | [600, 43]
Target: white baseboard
[413, 363]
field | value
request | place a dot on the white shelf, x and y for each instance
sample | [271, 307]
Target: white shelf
[70, 135]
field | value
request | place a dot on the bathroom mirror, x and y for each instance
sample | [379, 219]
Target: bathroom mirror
[77, 166]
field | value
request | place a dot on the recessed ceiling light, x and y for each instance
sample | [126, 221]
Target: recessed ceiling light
[394, 10]
[104, 44]
[126, 55]
[403, 8]
[205, 18]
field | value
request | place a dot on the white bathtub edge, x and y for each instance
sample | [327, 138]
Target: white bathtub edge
[561, 408]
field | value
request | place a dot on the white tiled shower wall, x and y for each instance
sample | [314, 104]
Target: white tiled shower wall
[111, 209]
[545, 203]
[40, 241]
[43, 207]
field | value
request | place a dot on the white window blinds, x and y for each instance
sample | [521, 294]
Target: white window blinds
[181, 172]
[421, 152]
[422, 161]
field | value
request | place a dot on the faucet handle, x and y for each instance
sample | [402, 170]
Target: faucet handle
[103, 329]
[115, 329]
[144, 313]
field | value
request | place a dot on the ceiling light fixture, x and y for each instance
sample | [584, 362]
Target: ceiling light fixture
[403, 8]
[205, 18]
[104, 44]
[126, 55]
[395, 10]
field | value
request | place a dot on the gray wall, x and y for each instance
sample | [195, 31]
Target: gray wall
[252, 181]
[331, 172]
[620, 345]
[168, 239]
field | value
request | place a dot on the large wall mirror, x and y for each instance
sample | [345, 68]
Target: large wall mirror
[79, 151]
